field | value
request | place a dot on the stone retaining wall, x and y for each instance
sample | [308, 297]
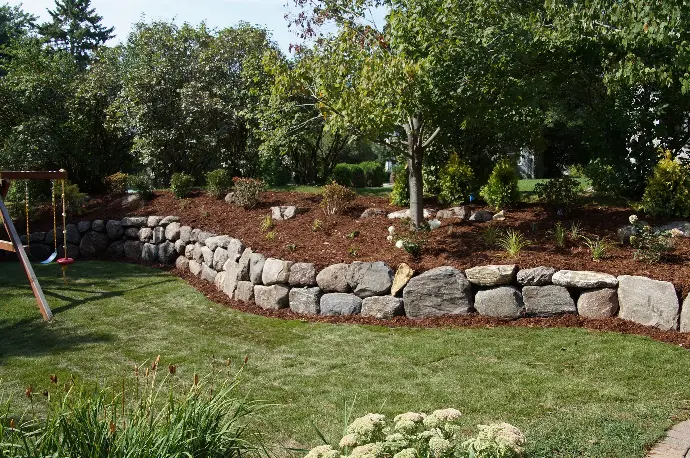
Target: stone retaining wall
[372, 288]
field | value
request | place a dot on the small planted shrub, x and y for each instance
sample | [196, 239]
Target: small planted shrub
[117, 183]
[350, 175]
[559, 195]
[412, 435]
[559, 235]
[142, 184]
[651, 246]
[374, 175]
[266, 223]
[512, 242]
[248, 191]
[400, 195]
[456, 181]
[218, 183]
[74, 199]
[598, 248]
[491, 235]
[501, 191]
[181, 185]
[575, 231]
[336, 198]
[317, 225]
[668, 191]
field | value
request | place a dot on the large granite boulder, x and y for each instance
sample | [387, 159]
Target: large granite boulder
[158, 234]
[172, 232]
[182, 263]
[367, 279]
[482, 216]
[244, 264]
[685, 316]
[116, 249]
[452, 213]
[208, 273]
[373, 213]
[382, 307]
[492, 275]
[145, 234]
[189, 251]
[231, 269]
[186, 234]
[132, 233]
[94, 243]
[272, 297]
[149, 252]
[133, 249]
[549, 300]
[583, 279]
[198, 255]
[98, 225]
[538, 276]
[305, 301]
[438, 292]
[333, 279]
[180, 247]
[598, 303]
[340, 304]
[256, 267]
[220, 257]
[221, 241]
[207, 254]
[84, 226]
[219, 281]
[134, 221]
[276, 271]
[244, 291]
[167, 253]
[402, 276]
[400, 214]
[202, 236]
[648, 302]
[195, 267]
[503, 302]
[114, 230]
[302, 274]
[235, 249]
[153, 221]
[170, 219]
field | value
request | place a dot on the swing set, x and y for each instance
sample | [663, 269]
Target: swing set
[15, 245]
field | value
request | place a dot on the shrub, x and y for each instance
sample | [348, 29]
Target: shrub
[248, 191]
[512, 243]
[351, 175]
[559, 195]
[413, 434]
[598, 248]
[74, 199]
[275, 172]
[431, 180]
[374, 175]
[117, 183]
[146, 418]
[668, 191]
[456, 180]
[651, 245]
[559, 234]
[181, 185]
[336, 198]
[400, 195]
[502, 189]
[142, 184]
[218, 183]
[621, 179]
[491, 235]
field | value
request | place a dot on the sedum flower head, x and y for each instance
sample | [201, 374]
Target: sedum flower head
[406, 453]
[440, 446]
[323, 451]
[408, 423]
[349, 441]
[633, 219]
[675, 232]
[373, 450]
[367, 429]
[442, 417]
[499, 439]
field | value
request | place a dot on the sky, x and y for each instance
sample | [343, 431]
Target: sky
[217, 13]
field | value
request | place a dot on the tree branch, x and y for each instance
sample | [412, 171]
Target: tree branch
[431, 139]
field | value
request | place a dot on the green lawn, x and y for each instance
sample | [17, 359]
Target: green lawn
[575, 393]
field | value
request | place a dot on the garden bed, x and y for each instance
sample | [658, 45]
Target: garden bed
[461, 246]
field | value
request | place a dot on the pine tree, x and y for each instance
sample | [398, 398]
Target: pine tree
[76, 28]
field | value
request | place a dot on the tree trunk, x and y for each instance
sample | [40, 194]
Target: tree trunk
[415, 150]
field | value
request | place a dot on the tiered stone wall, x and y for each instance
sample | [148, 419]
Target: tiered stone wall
[372, 288]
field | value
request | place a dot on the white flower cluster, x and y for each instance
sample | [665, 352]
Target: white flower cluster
[633, 219]
[417, 435]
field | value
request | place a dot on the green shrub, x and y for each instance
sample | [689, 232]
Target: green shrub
[614, 180]
[350, 175]
[400, 195]
[275, 172]
[142, 184]
[218, 183]
[374, 175]
[431, 179]
[336, 198]
[74, 199]
[181, 185]
[559, 195]
[248, 191]
[502, 189]
[668, 191]
[456, 180]
[651, 246]
[117, 183]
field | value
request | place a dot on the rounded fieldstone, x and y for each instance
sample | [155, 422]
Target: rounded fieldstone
[153, 221]
[98, 225]
[685, 316]
[648, 302]
[169, 219]
[539, 276]
[132, 233]
[439, 292]
[172, 232]
[149, 252]
[116, 249]
[195, 267]
[503, 302]
[207, 255]
[340, 304]
[272, 297]
[276, 271]
[492, 275]
[134, 221]
[145, 234]
[549, 300]
[114, 230]
[382, 307]
[305, 301]
[302, 274]
[334, 279]
[167, 253]
[208, 274]
[220, 257]
[244, 291]
[94, 243]
[256, 267]
[189, 251]
[598, 303]
[182, 263]
[367, 279]
[84, 226]
[583, 279]
[180, 247]
[133, 249]
[186, 234]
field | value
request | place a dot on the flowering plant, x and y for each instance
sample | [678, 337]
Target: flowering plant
[651, 245]
[417, 435]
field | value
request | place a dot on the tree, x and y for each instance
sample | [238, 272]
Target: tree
[14, 24]
[433, 61]
[75, 27]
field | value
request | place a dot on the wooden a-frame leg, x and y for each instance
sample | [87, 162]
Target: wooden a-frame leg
[23, 259]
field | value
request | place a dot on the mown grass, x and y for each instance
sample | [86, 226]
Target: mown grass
[575, 393]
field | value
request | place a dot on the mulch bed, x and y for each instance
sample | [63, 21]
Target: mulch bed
[455, 244]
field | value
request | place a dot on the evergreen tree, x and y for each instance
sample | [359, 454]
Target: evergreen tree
[14, 23]
[76, 28]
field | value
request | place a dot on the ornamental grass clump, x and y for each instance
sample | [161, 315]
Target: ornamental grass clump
[417, 435]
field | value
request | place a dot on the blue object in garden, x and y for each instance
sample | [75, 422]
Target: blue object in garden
[50, 259]
[471, 198]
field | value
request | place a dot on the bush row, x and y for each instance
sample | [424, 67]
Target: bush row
[363, 175]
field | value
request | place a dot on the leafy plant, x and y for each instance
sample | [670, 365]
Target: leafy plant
[598, 248]
[142, 184]
[336, 199]
[291, 247]
[352, 235]
[374, 175]
[456, 180]
[512, 242]
[350, 175]
[353, 251]
[575, 231]
[248, 191]
[218, 183]
[181, 185]
[400, 195]
[266, 223]
[317, 225]
[668, 191]
[74, 199]
[559, 195]
[117, 183]
[651, 246]
[271, 236]
[415, 240]
[491, 235]
[558, 234]
[501, 191]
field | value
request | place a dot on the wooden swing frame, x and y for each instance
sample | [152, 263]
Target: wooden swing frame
[14, 244]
